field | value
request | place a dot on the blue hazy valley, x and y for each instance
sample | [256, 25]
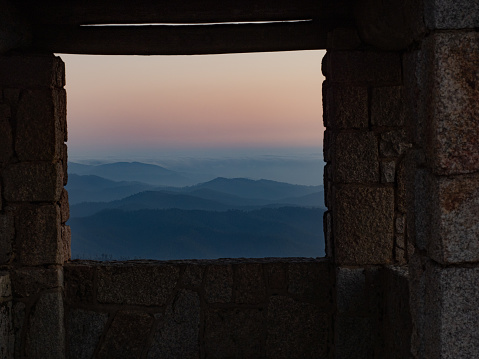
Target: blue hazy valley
[131, 209]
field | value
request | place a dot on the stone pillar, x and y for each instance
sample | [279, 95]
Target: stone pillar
[34, 241]
[367, 148]
[445, 268]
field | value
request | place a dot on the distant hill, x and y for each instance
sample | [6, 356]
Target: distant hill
[91, 188]
[181, 234]
[133, 171]
[260, 189]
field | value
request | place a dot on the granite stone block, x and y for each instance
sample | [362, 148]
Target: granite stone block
[296, 330]
[276, 277]
[458, 14]
[311, 282]
[455, 228]
[178, 333]
[453, 136]
[64, 206]
[347, 107]
[137, 284]
[388, 171]
[394, 143]
[46, 333]
[7, 334]
[66, 243]
[33, 182]
[84, 329]
[452, 314]
[6, 144]
[79, 283]
[7, 234]
[234, 333]
[38, 235]
[32, 71]
[126, 336]
[363, 67]
[249, 285]
[39, 130]
[351, 289]
[387, 106]
[363, 225]
[353, 338]
[193, 275]
[355, 158]
[30, 281]
[219, 284]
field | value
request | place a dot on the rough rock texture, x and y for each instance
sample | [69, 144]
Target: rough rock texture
[364, 228]
[126, 336]
[178, 333]
[133, 284]
[347, 107]
[46, 333]
[30, 281]
[458, 14]
[289, 323]
[84, 331]
[219, 284]
[355, 158]
[453, 106]
[38, 235]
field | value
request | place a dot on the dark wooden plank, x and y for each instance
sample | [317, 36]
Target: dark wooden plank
[80, 12]
[180, 40]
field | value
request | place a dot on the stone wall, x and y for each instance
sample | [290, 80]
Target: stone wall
[34, 240]
[263, 308]
[444, 77]
[369, 154]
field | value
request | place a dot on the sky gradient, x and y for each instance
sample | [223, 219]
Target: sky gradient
[133, 103]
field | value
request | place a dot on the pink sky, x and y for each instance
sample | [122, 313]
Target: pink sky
[244, 100]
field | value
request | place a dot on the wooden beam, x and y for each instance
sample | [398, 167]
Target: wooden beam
[81, 12]
[180, 40]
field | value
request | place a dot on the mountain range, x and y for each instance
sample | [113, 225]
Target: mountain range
[134, 217]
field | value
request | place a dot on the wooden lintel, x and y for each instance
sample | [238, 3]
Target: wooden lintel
[81, 12]
[180, 40]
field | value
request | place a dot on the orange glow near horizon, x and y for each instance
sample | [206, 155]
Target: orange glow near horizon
[244, 100]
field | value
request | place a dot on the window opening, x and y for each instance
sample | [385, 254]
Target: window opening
[184, 157]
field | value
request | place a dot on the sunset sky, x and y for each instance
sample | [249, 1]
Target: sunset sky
[133, 103]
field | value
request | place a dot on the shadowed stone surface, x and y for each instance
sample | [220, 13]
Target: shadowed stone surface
[388, 171]
[350, 289]
[452, 313]
[139, 285]
[363, 67]
[457, 14]
[219, 284]
[7, 233]
[300, 277]
[455, 233]
[38, 234]
[84, 329]
[364, 229]
[454, 105]
[30, 281]
[356, 158]
[234, 333]
[296, 330]
[177, 336]
[40, 125]
[6, 144]
[31, 182]
[7, 336]
[275, 274]
[387, 106]
[46, 333]
[394, 143]
[126, 335]
[347, 107]
[193, 275]
[249, 283]
[32, 71]
[353, 338]
[79, 283]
